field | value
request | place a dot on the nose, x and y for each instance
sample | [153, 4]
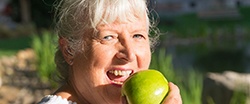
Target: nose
[126, 51]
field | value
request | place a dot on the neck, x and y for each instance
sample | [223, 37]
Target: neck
[67, 92]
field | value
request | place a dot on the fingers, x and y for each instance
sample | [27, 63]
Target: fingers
[173, 96]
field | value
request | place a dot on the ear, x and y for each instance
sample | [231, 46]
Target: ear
[67, 52]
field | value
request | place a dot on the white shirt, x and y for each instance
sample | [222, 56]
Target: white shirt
[53, 99]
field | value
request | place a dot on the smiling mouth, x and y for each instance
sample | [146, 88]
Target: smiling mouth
[118, 76]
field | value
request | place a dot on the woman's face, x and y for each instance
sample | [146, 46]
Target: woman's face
[118, 50]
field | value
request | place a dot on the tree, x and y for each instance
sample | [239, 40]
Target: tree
[25, 11]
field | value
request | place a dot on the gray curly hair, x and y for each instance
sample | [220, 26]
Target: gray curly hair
[74, 18]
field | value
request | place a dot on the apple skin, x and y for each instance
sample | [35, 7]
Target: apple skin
[145, 87]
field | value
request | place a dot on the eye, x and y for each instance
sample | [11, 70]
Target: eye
[108, 37]
[138, 36]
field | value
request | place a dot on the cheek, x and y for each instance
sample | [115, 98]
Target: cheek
[148, 59]
[144, 58]
[88, 69]
[94, 56]
[101, 60]
[102, 56]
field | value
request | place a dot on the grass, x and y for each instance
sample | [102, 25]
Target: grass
[238, 98]
[12, 45]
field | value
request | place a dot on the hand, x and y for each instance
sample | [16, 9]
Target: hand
[174, 96]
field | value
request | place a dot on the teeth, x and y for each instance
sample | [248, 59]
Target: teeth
[120, 72]
[117, 82]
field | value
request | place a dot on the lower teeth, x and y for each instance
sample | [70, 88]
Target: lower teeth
[117, 82]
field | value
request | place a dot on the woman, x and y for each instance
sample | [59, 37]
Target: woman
[101, 43]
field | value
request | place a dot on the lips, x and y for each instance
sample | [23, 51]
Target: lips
[118, 76]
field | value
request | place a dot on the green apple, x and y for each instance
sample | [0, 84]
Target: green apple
[145, 87]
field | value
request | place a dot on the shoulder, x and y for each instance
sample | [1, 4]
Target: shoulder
[54, 99]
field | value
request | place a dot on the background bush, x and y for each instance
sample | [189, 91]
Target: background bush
[44, 48]
[189, 81]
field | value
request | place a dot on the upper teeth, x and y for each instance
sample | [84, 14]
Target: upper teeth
[121, 72]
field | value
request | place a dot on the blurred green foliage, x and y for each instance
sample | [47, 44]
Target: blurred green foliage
[189, 81]
[190, 25]
[10, 46]
[239, 97]
[45, 48]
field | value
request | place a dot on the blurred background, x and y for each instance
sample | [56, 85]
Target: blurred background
[203, 43]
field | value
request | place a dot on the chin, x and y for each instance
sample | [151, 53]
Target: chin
[113, 94]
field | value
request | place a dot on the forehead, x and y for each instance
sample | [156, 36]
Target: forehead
[138, 24]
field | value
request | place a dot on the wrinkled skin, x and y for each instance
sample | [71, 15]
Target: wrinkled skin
[118, 46]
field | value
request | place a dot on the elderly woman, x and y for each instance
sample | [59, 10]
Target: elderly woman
[101, 43]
